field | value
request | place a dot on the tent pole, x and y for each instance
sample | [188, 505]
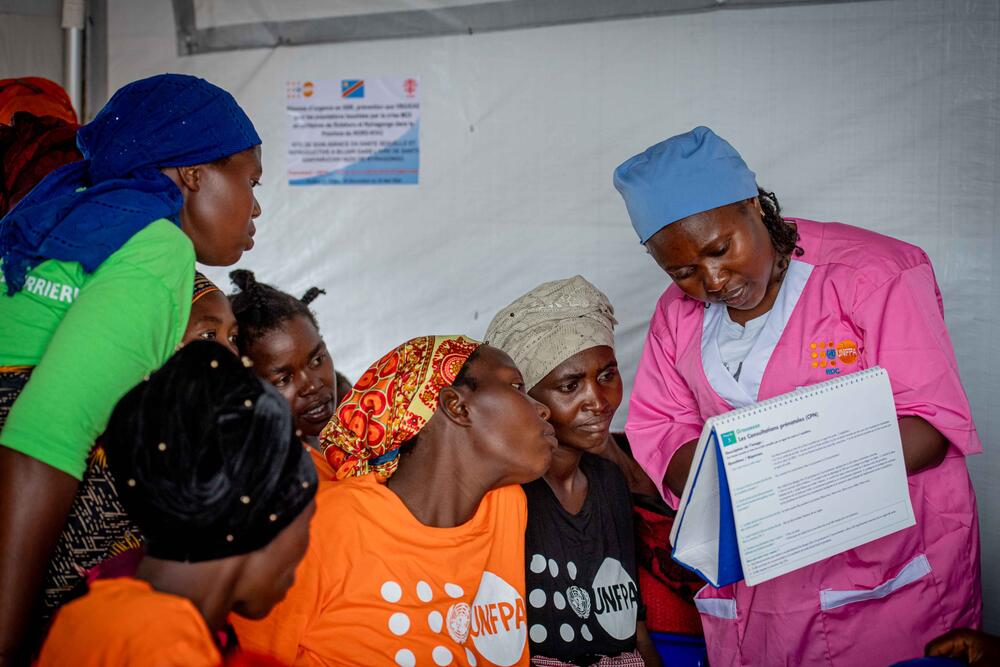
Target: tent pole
[73, 23]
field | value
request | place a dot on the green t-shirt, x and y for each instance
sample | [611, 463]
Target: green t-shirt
[91, 338]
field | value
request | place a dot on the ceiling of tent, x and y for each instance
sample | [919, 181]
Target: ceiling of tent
[224, 25]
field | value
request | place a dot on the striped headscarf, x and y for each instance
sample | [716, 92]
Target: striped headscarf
[202, 286]
[391, 402]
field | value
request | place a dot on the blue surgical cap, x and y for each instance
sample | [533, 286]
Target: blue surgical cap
[684, 175]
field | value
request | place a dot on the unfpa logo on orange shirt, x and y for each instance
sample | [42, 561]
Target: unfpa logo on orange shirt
[831, 357]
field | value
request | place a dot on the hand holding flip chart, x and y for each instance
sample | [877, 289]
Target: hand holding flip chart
[792, 480]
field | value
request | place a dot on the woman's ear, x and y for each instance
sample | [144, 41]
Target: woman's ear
[760, 209]
[189, 178]
[453, 405]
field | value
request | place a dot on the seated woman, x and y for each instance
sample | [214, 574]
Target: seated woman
[211, 316]
[223, 493]
[280, 336]
[584, 605]
[418, 558]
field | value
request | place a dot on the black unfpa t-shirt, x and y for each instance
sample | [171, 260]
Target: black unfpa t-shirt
[583, 593]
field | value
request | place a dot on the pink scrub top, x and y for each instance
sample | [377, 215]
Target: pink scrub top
[855, 299]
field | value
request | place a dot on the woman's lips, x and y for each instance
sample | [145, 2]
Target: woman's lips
[599, 426]
[318, 412]
[736, 297]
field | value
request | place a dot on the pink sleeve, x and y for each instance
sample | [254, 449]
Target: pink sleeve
[662, 413]
[905, 333]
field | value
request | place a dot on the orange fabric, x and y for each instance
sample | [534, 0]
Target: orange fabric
[378, 587]
[125, 622]
[390, 403]
[37, 96]
[324, 471]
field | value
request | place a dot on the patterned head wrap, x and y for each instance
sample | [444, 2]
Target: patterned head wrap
[85, 211]
[37, 96]
[550, 324]
[202, 286]
[391, 402]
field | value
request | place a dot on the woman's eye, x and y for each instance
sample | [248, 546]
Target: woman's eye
[207, 335]
[316, 361]
[681, 275]
[254, 183]
[568, 388]
[518, 386]
[232, 338]
[281, 382]
[607, 376]
[719, 252]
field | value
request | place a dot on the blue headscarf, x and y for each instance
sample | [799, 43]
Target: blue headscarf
[87, 210]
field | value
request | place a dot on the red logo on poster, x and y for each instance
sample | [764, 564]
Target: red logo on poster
[410, 87]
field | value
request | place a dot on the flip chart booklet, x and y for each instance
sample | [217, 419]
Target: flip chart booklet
[789, 481]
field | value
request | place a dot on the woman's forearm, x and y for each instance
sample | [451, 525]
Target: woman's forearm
[923, 445]
[34, 501]
[678, 468]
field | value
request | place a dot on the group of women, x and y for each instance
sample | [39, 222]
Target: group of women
[204, 493]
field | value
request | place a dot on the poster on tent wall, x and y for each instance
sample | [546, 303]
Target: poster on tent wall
[353, 131]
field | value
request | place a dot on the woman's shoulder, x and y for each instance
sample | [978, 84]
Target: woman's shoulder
[351, 494]
[161, 246]
[856, 251]
[674, 307]
[125, 605]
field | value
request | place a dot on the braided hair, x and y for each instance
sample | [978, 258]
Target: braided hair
[260, 308]
[784, 237]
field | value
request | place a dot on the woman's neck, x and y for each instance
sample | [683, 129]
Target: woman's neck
[208, 585]
[566, 480]
[741, 317]
[441, 489]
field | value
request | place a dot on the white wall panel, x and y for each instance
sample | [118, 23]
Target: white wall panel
[31, 46]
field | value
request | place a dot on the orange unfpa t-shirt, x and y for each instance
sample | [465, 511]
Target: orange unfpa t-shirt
[323, 470]
[125, 622]
[377, 587]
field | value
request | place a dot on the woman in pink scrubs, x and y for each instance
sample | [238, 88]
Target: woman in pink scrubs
[759, 306]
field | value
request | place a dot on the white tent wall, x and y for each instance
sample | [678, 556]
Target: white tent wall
[31, 39]
[881, 114]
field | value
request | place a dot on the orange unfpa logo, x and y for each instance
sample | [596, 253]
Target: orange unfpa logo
[825, 353]
[307, 89]
[847, 352]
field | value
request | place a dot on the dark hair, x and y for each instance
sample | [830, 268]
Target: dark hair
[260, 308]
[344, 386]
[205, 458]
[784, 237]
[465, 378]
